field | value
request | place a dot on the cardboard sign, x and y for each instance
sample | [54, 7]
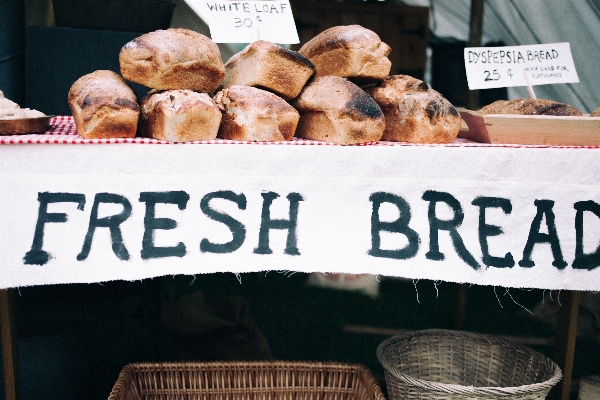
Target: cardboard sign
[512, 217]
[494, 67]
[247, 21]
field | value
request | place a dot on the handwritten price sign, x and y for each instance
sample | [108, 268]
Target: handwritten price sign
[494, 67]
[247, 21]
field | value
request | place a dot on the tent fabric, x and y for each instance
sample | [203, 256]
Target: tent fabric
[533, 22]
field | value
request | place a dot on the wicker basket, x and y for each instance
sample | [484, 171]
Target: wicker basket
[246, 380]
[449, 365]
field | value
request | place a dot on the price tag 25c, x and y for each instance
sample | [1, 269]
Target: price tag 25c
[494, 67]
[247, 21]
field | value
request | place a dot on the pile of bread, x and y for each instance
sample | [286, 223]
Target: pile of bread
[336, 88]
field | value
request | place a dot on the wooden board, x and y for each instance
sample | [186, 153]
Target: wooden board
[530, 129]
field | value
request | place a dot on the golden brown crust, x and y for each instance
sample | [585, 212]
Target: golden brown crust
[180, 116]
[254, 114]
[530, 107]
[173, 59]
[334, 109]
[415, 113]
[595, 113]
[349, 51]
[103, 106]
[266, 65]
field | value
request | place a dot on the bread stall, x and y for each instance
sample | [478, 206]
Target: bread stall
[328, 178]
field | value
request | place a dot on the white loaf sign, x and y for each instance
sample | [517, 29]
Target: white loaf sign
[247, 21]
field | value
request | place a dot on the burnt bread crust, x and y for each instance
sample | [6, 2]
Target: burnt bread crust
[103, 106]
[349, 51]
[269, 66]
[179, 116]
[530, 107]
[414, 112]
[255, 114]
[173, 59]
[336, 110]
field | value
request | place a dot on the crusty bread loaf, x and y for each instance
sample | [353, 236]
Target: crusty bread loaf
[255, 114]
[180, 116]
[530, 107]
[333, 109]
[351, 52]
[103, 106]
[595, 113]
[173, 59]
[266, 65]
[415, 113]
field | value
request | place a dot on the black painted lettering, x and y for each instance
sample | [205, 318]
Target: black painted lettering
[486, 230]
[266, 224]
[398, 226]
[112, 223]
[37, 256]
[582, 260]
[238, 230]
[544, 209]
[151, 223]
[436, 224]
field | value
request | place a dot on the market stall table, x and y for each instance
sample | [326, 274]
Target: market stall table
[502, 215]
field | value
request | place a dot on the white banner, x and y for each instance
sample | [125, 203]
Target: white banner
[508, 66]
[512, 217]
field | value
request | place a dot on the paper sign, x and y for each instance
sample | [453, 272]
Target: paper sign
[494, 67]
[247, 21]
[511, 217]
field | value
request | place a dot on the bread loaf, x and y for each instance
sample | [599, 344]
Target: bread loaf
[180, 116]
[415, 113]
[530, 107]
[103, 106]
[595, 113]
[254, 114]
[266, 65]
[173, 59]
[351, 52]
[333, 109]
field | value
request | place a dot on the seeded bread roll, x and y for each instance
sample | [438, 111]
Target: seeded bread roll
[103, 106]
[595, 113]
[256, 115]
[173, 59]
[180, 116]
[415, 113]
[267, 65]
[333, 109]
[351, 52]
[530, 107]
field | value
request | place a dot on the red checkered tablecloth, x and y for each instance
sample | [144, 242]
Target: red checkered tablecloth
[62, 131]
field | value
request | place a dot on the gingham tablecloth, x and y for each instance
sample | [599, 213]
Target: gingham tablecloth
[62, 131]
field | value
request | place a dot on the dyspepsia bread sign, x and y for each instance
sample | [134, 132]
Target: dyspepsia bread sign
[508, 66]
[247, 21]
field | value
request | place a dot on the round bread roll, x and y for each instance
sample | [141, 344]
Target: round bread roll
[173, 59]
[530, 107]
[180, 116]
[351, 52]
[255, 114]
[333, 109]
[103, 106]
[266, 65]
[415, 113]
[595, 113]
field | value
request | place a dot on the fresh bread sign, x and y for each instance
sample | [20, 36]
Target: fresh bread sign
[247, 21]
